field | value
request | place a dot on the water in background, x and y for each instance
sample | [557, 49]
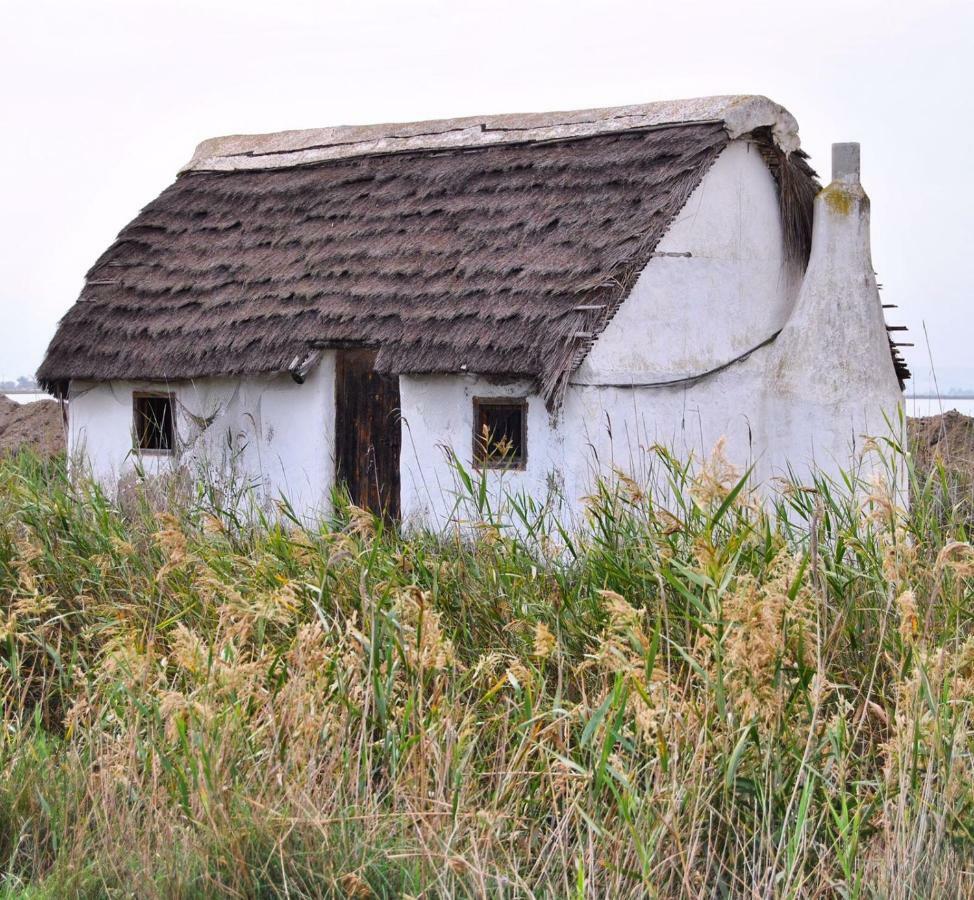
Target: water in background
[933, 406]
[29, 398]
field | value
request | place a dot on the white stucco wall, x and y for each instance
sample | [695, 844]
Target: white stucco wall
[257, 439]
[599, 431]
[437, 421]
[687, 314]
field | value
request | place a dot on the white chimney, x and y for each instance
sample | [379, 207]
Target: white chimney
[845, 163]
[831, 376]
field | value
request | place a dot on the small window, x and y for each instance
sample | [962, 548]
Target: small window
[154, 422]
[500, 439]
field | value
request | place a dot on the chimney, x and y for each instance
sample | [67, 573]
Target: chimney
[845, 163]
[831, 375]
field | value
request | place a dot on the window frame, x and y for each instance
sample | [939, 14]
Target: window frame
[479, 459]
[136, 423]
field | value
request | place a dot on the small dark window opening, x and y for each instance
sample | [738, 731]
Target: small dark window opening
[500, 439]
[154, 422]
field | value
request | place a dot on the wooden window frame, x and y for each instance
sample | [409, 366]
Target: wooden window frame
[136, 441]
[479, 462]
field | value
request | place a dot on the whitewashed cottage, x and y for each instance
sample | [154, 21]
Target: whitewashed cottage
[543, 295]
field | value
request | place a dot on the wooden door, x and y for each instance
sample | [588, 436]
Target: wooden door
[367, 432]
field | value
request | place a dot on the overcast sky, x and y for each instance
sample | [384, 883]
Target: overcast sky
[103, 100]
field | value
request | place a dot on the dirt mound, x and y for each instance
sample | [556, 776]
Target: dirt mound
[38, 425]
[948, 437]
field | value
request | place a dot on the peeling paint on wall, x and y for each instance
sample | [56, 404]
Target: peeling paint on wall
[267, 437]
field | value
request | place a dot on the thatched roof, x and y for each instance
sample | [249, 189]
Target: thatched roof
[499, 246]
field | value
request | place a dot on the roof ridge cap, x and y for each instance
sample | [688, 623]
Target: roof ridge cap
[740, 114]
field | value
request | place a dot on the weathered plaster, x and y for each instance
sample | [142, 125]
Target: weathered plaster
[437, 422]
[830, 377]
[599, 431]
[689, 314]
[257, 439]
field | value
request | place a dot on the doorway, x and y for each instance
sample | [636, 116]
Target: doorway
[368, 435]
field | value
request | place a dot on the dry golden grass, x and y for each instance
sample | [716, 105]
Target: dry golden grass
[697, 698]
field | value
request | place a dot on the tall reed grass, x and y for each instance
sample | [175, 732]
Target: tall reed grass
[715, 697]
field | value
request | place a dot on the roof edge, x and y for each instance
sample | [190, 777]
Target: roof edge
[739, 113]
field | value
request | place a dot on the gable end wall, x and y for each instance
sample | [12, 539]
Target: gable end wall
[687, 314]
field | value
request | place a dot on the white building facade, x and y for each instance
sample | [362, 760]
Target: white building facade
[720, 336]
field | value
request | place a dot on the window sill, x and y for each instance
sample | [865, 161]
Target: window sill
[500, 467]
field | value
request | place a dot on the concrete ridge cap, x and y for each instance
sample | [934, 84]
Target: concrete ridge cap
[740, 114]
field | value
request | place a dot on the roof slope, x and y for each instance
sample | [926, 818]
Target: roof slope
[503, 257]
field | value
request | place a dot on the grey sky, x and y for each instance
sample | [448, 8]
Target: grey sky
[102, 101]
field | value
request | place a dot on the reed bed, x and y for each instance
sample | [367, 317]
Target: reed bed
[695, 696]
